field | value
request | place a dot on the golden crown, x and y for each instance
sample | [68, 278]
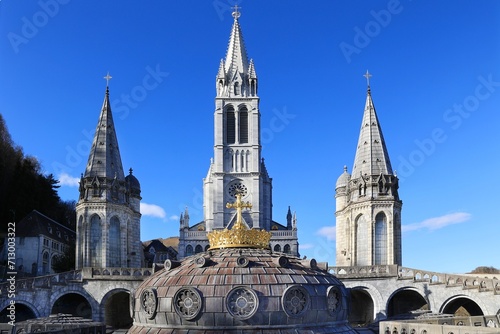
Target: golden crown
[239, 236]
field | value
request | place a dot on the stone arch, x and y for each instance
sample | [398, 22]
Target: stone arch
[23, 311]
[461, 305]
[362, 308]
[406, 300]
[277, 248]
[73, 302]
[198, 249]
[115, 308]
[189, 250]
[375, 296]
[287, 249]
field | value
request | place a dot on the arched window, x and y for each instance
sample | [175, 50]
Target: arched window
[243, 124]
[363, 256]
[198, 249]
[277, 248]
[380, 243]
[252, 88]
[286, 249]
[207, 247]
[45, 263]
[189, 250]
[230, 127]
[95, 243]
[237, 89]
[115, 251]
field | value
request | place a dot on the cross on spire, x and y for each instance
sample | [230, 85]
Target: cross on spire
[107, 77]
[239, 205]
[367, 75]
[236, 14]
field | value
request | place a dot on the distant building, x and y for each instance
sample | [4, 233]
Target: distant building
[159, 250]
[39, 239]
[237, 166]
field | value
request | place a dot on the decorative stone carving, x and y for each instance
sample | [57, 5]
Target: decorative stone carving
[242, 302]
[149, 302]
[333, 297]
[188, 303]
[295, 300]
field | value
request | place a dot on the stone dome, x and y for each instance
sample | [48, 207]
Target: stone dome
[343, 179]
[132, 183]
[240, 290]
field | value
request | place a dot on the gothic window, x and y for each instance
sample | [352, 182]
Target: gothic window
[243, 124]
[207, 247]
[237, 88]
[380, 238]
[277, 248]
[230, 127]
[363, 256]
[114, 243]
[252, 87]
[95, 243]
[189, 250]
[198, 249]
[286, 249]
[95, 190]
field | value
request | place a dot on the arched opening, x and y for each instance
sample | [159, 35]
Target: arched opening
[189, 250]
[363, 245]
[243, 123]
[115, 249]
[198, 249]
[362, 308]
[21, 311]
[286, 249]
[230, 127]
[380, 243]
[462, 307]
[95, 241]
[277, 248]
[404, 302]
[73, 303]
[116, 310]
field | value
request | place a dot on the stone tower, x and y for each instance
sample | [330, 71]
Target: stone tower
[237, 166]
[108, 208]
[368, 213]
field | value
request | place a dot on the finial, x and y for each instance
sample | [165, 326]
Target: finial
[107, 77]
[367, 75]
[345, 169]
[236, 14]
[130, 171]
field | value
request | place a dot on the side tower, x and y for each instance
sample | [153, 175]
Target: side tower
[237, 166]
[368, 213]
[108, 208]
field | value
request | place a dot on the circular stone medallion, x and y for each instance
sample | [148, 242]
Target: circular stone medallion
[295, 300]
[242, 302]
[149, 302]
[187, 303]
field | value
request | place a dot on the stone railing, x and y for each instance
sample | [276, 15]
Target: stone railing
[196, 234]
[482, 284]
[116, 273]
[287, 234]
[443, 324]
[42, 281]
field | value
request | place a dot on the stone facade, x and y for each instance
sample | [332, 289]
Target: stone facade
[237, 165]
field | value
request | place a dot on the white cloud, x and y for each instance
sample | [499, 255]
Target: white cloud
[436, 223]
[152, 210]
[68, 180]
[306, 246]
[174, 217]
[328, 232]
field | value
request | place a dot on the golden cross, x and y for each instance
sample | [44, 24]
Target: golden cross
[238, 205]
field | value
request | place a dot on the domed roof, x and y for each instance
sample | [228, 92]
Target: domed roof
[240, 289]
[343, 179]
[133, 183]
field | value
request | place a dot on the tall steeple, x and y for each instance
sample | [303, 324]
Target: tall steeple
[237, 168]
[108, 208]
[368, 212]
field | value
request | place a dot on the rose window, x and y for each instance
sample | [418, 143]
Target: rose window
[295, 300]
[333, 299]
[149, 302]
[237, 188]
[187, 303]
[242, 302]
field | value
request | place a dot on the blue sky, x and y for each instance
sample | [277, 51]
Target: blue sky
[435, 86]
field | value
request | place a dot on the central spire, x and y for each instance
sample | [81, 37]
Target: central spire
[236, 57]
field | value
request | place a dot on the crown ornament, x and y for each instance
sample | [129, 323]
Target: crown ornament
[239, 236]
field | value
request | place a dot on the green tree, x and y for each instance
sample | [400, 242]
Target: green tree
[65, 262]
